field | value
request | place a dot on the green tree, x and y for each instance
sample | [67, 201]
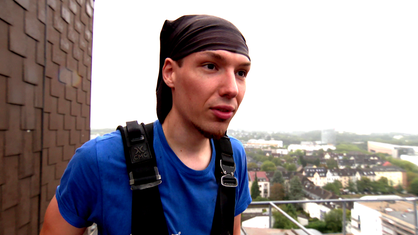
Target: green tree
[332, 164]
[277, 192]
[302, 161]
[364, 184]
[252, 166]
[290, 167]
[280, 221]
[276, 161]
[334, 220]
[414, 187]
[255, 190]
[351, 186]
[295, 189]
[332, 188]
[278, 177]
[318, 225]
[268, 166]
[399, 188]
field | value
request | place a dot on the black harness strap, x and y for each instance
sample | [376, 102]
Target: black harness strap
[147, 211]
[223, 221]
[144, 178]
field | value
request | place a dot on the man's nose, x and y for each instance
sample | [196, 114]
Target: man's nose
[229, 86]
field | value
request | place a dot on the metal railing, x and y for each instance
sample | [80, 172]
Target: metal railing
[342, 201]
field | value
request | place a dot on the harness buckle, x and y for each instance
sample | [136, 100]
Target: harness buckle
[145, 182]
[228, 179]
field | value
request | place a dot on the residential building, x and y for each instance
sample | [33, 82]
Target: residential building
[318, 175]
[394, 174]
[385, 217]
[368, 173]
[263, 182]
[311, 191]
[332, 175]
[342, 175]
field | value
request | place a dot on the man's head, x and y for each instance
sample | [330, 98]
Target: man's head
[189, 36]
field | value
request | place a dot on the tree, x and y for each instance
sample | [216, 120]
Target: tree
[318, 225]
[278, 177]
[302, 161]
[364, 184]
[276, 161]
[399, 188]
[295, 189]
[255, 190]
[331, 164]
[338, 184]
[290, 167]
[280, 221]
[414, 186]
[252, 166]
[351, 186]
[334, 220]
[277, 192]
[268, 166]
[332, 188]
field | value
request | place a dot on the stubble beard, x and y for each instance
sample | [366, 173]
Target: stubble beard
[211, 134]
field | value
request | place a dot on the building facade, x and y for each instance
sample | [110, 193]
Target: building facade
[385, 217]
[263, 182]
[45, 80]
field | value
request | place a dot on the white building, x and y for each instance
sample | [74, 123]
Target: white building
[253, 143]
[263, 182]
[386, 217]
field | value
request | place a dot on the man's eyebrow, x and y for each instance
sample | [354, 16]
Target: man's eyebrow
[216, 56]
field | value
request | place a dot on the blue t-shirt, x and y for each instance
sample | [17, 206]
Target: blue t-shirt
[95, 187]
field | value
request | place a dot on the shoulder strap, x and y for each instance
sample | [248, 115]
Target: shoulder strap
[223, 220]
[147, 211]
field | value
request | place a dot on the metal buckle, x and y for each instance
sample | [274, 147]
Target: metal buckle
[228, 179]
[157, 182]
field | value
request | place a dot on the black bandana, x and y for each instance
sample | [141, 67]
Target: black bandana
[189, 34]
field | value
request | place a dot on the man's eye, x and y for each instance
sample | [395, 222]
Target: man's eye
[242, 73]
[210, 66]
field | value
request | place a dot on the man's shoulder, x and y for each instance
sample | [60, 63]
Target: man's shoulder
[110, 142]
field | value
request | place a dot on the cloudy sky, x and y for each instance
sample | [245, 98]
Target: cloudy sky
[348, 65]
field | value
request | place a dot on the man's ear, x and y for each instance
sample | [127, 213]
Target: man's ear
[168, 72]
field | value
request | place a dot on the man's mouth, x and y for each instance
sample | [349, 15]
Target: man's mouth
[223, 112]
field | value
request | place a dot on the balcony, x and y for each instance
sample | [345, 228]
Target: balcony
[273, 205]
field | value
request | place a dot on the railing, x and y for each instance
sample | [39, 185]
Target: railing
[343, 201]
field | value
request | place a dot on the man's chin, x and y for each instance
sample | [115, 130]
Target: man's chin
[212, 133]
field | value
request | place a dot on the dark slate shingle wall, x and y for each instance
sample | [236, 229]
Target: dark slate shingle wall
[45, 80]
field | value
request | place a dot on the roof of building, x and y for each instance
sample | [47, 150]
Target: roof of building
[387, 168]
[261, 176]
[343, 172]
[387, 164]
[400, 211]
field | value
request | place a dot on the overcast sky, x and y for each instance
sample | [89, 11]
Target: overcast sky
[348, 65]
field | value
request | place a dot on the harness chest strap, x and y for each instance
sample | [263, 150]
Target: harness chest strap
[147, 211]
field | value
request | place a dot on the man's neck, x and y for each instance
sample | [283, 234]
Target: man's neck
[190, 146]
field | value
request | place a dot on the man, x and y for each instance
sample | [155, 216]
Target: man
[204, 62]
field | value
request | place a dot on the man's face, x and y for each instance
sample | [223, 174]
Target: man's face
[207, 89]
